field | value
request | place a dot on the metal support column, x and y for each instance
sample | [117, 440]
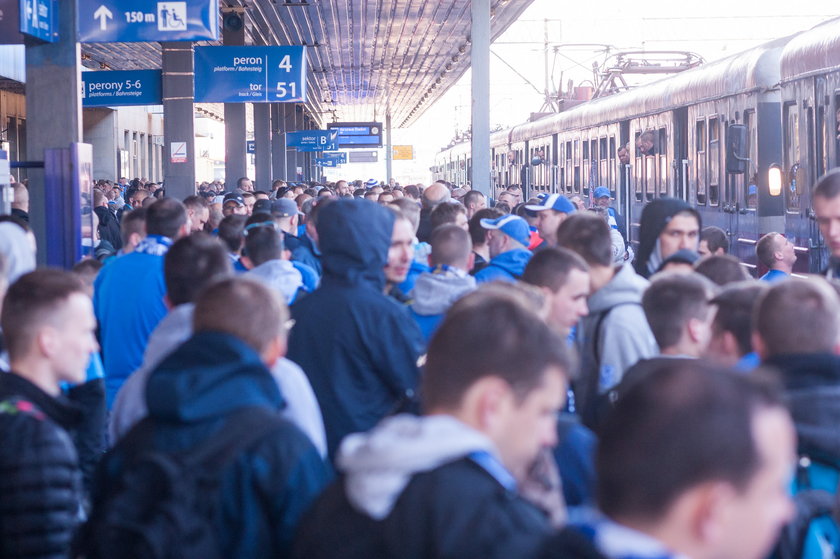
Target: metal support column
[262, 139]
[480, 60]
[278, 141]
[178, 119]
[290, 120]
[389, 149]
[236, 157]
[53, 112]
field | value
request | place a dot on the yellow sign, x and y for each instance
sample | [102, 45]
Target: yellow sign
[403, 153]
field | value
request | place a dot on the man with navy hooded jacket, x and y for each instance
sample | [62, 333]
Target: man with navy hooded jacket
[358, 347]
[199, 390]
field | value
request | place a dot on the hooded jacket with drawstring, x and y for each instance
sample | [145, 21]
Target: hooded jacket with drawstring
[433, 294]
[358, 346]
[413, 488]
[507, 266]
[611, 338]
[655, 216]
[262, 492]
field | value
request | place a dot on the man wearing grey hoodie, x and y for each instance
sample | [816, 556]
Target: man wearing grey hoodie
[450, 484]
[615, 334]
[435, 291]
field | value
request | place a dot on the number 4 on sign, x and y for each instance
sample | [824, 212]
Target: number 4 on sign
[286, 63]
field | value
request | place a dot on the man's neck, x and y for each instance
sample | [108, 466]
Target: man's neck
[782, 267]
[38, 372]
[599, 276]
[483, 251]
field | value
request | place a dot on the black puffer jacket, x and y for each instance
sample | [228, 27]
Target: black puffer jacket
[40, 482]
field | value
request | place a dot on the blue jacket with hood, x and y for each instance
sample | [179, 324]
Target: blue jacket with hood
[264, 491]
[358, 346]
[507, 266]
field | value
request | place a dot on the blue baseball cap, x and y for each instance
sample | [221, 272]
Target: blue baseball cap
[602, 192]
[556, 202]
[511, 225]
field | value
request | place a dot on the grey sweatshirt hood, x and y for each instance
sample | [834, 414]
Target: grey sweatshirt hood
[625, 287]
[379, 464]
[434, 292]
[280, 275]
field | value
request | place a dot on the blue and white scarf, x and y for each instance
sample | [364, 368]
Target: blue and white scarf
[157, 245]
[620, 542]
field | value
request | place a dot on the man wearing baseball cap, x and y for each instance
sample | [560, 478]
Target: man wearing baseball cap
[603, 199]
[507, 239]
[551, 212]
[233, 204]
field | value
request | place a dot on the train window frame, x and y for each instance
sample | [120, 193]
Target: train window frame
[604, 162]
[700, 161]
[638, 169]
[792, 154]
[576, 164]
[822, 141]
[586, 165]
[751, 178]
[611, 153]
[713, 155]
[662, 154]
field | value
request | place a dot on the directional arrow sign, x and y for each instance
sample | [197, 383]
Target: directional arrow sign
[131, 21]
[38, 19]
[103, 14]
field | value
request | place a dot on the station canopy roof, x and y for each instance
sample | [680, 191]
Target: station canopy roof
[364, 55]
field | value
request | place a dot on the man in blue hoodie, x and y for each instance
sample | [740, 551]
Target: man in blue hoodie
[507, 240]
[358, 346]
[128, 294]
[199, 390]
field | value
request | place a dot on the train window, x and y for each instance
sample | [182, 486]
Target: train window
[663, 162]
[612, 155]
[604, 166]
[650, 177]
[822, 142]
[834, 130]
[639, 169]
[569, 174]
[700, 158]
[714, 161]
[576, 151]
[794, 186]
[587, 166]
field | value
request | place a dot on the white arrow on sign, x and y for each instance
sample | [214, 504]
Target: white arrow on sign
[103, 14]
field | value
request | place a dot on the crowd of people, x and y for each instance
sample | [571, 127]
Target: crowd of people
[373, 370]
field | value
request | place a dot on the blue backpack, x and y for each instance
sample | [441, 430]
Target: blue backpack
[813, 533]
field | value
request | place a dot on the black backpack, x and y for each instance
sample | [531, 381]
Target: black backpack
[162, 504]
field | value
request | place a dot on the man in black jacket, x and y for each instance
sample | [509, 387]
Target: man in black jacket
[449, 484]
[693, 462]
[49, 330]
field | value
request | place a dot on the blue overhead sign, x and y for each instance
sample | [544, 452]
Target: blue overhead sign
[326, 162]
[39, 19]
[358, 134]
[250, 146]
[127, 21]
[338, 156]
[121, 87]
[250, 74]
[311, 140]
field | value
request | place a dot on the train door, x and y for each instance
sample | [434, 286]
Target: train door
[794, 126]
[625, 180]
[680, 163]
[822, 136]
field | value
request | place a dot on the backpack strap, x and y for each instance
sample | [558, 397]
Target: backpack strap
[242, 428]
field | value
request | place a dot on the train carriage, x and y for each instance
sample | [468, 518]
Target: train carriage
[720, 136]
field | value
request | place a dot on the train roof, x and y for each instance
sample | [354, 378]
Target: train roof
[812, 51]
[751, 70]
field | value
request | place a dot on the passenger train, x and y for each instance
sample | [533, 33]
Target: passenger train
[742, 139]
